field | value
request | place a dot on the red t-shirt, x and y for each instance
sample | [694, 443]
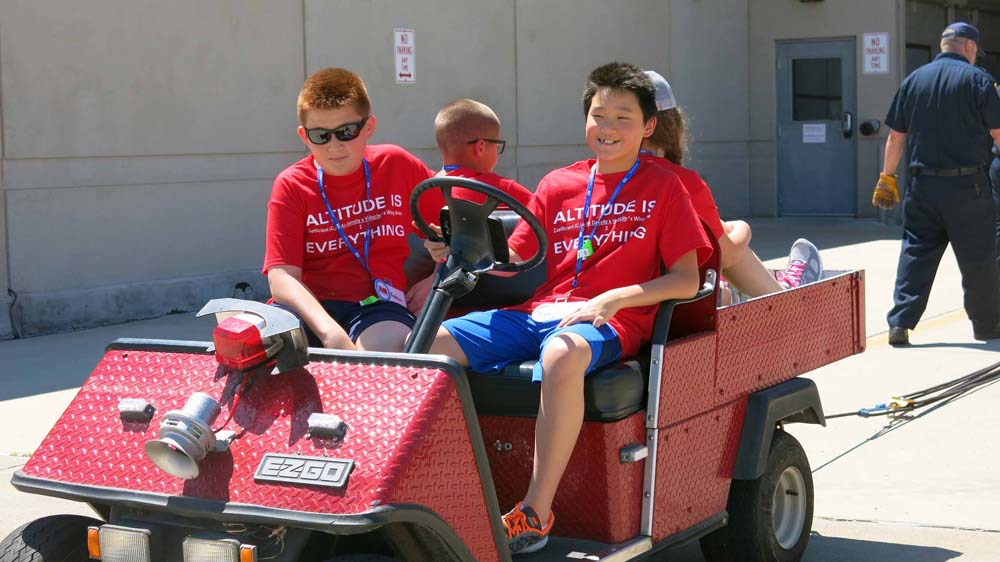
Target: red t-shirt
[508, 186]
[301, 234]
[701, 197]
[651, 222]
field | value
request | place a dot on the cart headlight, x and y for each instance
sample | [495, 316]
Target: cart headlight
[218, 550]
[124, 544]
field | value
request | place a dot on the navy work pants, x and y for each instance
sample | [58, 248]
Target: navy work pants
[995, 180]
[936, 211]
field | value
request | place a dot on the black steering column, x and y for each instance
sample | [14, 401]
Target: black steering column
[476, 246]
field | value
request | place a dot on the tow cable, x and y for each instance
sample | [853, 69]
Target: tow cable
[944, 392]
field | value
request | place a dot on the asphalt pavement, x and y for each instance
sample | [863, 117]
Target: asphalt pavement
[916, 489]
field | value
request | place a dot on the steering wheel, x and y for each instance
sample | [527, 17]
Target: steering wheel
[471, 247]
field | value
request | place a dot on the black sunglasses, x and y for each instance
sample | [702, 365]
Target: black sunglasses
[501, 144]
[344, 133]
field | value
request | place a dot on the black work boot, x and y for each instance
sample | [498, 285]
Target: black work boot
[898, 336]
[991, 334]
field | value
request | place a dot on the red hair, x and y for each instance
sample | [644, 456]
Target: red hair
[331, 88]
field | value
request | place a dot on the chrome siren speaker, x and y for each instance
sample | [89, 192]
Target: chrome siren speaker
[185, 437]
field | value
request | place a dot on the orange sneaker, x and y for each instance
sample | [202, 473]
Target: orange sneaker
[525, 532]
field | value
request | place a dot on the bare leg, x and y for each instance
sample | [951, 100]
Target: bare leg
[734, 244]
[751, 277]
[445, 344]
[383, 336]
[560, 416]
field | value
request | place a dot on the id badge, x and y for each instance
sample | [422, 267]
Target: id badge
[587, 250]
[385, 291]
[551, 311]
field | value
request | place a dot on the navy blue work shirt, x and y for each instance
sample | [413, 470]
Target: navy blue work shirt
[947, 108]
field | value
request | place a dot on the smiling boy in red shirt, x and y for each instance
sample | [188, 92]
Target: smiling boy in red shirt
[468, 137]
[612, 222]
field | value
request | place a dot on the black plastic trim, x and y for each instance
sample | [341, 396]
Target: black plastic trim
[224, 511]
[694, 532]
[793, 401]
[170, 346]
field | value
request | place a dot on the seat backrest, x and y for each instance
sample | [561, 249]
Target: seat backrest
[701, 315]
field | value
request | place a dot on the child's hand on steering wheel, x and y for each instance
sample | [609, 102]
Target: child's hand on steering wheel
[438, 250]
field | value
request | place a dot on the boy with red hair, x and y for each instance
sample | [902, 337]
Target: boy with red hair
[338, 219]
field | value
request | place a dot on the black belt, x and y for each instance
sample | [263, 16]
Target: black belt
[948, 172]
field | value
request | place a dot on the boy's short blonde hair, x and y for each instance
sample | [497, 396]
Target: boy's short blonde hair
[331, 88]
[463, 120]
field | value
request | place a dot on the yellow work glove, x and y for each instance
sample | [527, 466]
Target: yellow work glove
[886, 193]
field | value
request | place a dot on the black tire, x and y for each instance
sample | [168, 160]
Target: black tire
[363, 558]
[751, 535]
[56, 538]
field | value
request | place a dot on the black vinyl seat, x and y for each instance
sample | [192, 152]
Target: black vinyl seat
[610, 394]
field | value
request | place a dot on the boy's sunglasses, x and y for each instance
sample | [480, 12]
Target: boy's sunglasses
[344, 133]
[501, 144]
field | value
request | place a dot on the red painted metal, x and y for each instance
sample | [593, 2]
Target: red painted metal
[767, 341]
[408, 436]
[688, 384]
[695, 467]
[394, 415]
[599, 498]
[442, 476]
[701, 315]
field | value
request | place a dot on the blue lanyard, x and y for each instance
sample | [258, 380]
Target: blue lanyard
[451, 168]
[336, 223]
[604, 208]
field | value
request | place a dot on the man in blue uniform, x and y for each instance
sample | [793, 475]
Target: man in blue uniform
[947, 109]
[995, 180]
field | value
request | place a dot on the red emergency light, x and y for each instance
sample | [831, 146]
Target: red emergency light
[238, 343]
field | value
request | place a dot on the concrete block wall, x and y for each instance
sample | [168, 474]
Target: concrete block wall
[139, 144]
[139, 139]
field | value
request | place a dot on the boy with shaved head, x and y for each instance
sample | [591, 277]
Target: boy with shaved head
[468, 137]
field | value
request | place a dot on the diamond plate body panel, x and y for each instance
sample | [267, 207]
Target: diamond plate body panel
[688, 386]
[443, 477]
[598, 498]
[389, 411]
[769, 340]
[695, 467]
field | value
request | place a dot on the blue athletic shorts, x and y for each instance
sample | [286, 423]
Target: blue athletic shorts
[355, 318]
[495, 338]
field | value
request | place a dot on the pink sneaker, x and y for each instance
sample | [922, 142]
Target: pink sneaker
[804, 265]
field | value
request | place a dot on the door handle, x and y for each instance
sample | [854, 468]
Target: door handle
[848, 122]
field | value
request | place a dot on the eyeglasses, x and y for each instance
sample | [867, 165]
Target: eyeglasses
[344, 133]
[501, 144]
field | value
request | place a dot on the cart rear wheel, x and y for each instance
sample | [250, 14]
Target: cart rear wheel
[770, 517]
[362, 558]
[57, 538]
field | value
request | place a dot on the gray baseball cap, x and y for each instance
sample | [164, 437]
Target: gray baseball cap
[664, 94]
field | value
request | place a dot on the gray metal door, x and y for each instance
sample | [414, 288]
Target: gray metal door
[817, 128]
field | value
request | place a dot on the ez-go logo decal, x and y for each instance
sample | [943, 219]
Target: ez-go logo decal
[296, 469]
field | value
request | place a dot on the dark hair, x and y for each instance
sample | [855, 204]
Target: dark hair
[621, 77]
[669, 135]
